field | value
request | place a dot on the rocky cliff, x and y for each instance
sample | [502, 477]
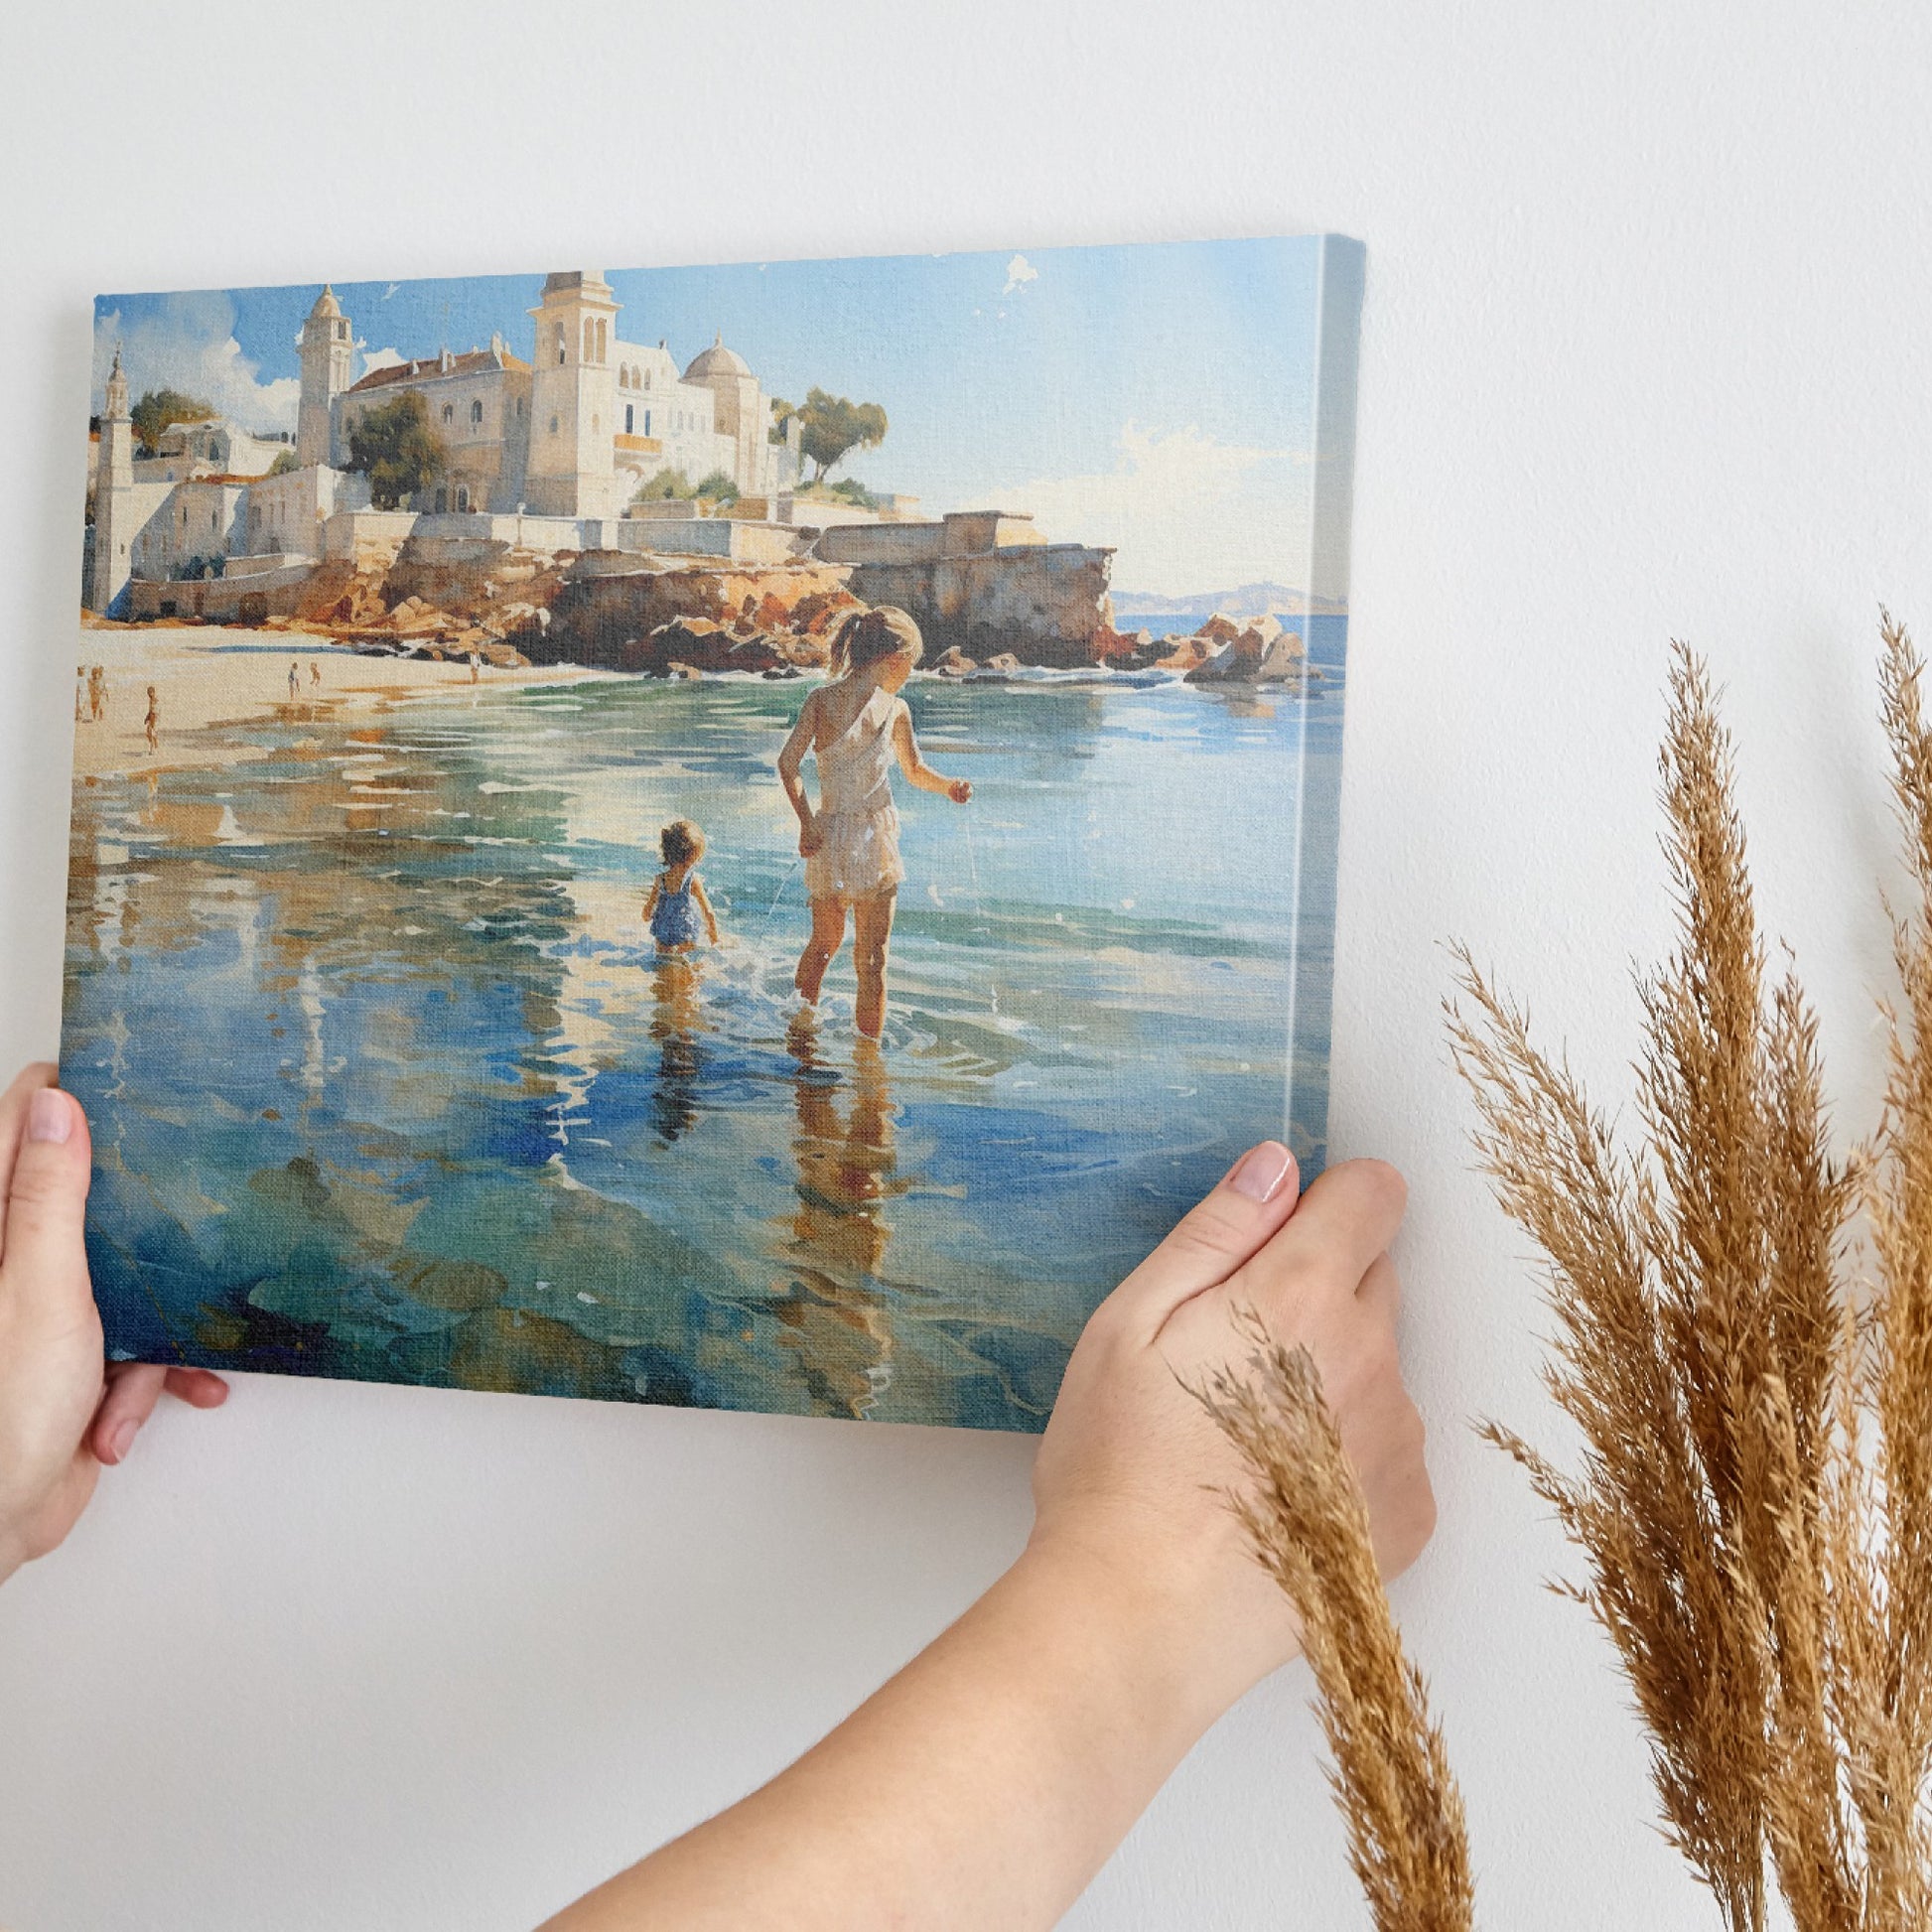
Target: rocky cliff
[1046, 604]
[612, 611]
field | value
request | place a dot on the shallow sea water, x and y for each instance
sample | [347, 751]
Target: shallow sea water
[388, 1082]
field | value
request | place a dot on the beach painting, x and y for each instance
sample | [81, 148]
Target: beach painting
[744, 837]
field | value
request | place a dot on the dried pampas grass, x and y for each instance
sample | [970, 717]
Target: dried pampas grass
[1754, 1497]
[1308, 1523]
[1754, 1391]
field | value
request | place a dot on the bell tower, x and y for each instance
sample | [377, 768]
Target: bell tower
[573, 399]
[328, 349]
[113, 494]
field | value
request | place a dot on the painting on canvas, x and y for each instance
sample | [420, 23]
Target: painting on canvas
[735, 836]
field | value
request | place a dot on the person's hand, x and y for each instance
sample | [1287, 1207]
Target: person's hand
[63, 1413]
[810, 837]
[960, 791]
[1131, 1472]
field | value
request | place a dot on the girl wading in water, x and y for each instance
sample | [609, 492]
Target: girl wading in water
[857, 726]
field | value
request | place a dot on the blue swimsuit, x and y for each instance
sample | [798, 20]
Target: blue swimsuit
[675, 919]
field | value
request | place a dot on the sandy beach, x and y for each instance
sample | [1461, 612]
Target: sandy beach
[207, 676]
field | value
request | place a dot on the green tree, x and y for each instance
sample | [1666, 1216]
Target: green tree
[782, 413]
[665, 486]
[717, 486]
[283, 464]
[834, 426]
[397, 448]
[160, 407]
[855, 492]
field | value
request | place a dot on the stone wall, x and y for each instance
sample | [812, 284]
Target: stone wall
[252, 598]
[959, 533]
[733, 540]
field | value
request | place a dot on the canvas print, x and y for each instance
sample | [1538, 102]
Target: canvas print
[735, 836]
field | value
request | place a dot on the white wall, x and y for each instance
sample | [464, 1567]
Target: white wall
[1646, 353]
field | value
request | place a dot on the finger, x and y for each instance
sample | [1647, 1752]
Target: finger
[199, 1388]
[133, 1388]
[1346, 1219]
[45, 1257]
[1248, 1206]
[13, 1125]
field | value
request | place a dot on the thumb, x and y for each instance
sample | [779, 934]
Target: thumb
[43, 1262]
[1234, 1222]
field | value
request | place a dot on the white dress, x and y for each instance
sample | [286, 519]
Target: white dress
[857, 819]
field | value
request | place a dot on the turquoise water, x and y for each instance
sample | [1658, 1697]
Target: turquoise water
[388, 1082]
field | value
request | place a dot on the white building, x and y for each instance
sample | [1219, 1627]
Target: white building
[575, 429]
[570, 435]
[219, 448]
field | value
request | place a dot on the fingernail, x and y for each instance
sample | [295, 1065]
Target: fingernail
[122, 1440]
[49, 1116]
[1261, 1171]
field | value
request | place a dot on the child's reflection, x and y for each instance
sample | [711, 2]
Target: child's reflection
[675, 1026]
[835, 1311]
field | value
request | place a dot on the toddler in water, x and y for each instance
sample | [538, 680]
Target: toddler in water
[677, 896]
[856, 726]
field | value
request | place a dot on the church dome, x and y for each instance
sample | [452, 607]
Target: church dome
[716, 361]
[325, 304]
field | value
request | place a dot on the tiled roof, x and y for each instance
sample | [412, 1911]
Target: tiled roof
[471, 362]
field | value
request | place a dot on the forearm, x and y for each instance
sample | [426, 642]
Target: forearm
[795, 785]
[983, 1786]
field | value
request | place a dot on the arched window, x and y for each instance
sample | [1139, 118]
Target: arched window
[602, 339]
[590, 340]
[463, 497]
[449, 413]
[561, 352]
[475, 415]
[553, 426]
[630, 414]
[646, 422]
[646, 378]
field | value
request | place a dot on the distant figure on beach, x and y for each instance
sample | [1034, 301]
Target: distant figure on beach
[315, 675]
[154, 719]
[677, 898]
[856, 726]
[80, 689]
[295, 682]
[97, 692]
[475, 668]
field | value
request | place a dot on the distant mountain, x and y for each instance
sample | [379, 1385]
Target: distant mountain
[1249, 600]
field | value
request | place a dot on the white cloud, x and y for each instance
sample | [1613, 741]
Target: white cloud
[1019, 271]
[1183, 512]
[189, 344]
[381, 358]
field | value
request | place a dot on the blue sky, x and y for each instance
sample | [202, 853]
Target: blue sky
[1157, 397]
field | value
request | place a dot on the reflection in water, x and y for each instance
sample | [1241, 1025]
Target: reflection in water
[838, 1233]
[680, 1060]
[389, 1082]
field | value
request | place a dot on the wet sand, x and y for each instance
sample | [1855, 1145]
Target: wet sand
[209, 677]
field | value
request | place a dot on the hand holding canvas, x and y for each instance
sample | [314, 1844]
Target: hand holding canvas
[63, 1410]
[988, 1781]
